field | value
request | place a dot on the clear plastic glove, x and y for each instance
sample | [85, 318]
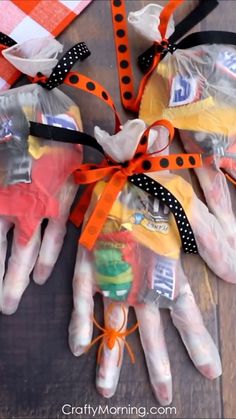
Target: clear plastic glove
[136, 262]
[185, 315]
[35, 175]
[195, 89]
[35, 183]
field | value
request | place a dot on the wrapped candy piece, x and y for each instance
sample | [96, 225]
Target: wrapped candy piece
[136, 261]
[194, 88]
[35, 174]
[32, 168]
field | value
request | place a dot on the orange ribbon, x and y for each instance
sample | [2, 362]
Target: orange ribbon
[117, 175]
[123, 51]
[39, 78]
[2, 47]
[82, 82]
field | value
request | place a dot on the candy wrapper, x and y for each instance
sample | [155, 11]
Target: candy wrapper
[194, 88]
[136, 261]
[35, 174]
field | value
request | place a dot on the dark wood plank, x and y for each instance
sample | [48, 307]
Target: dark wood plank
[223, 19]
[38, 372]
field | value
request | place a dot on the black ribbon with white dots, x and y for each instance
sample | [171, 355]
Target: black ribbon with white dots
[6, 40]
[157, 190]
[77, 53]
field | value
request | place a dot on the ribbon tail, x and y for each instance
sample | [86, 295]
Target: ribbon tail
[166, 14]
[100, 213]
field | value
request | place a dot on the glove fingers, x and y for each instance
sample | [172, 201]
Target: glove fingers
[20, 265]
[215, 187]
[50, 249]
[108, 371]
[212, 244]
[4, 228]
[54, 236]
[199, 344]
[81, 324]
[155, 350]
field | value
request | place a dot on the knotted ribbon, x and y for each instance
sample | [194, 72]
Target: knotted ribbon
[117, 174]
[123, 52]
[145, 60]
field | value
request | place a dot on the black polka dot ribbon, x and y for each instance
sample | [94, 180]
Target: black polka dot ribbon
[6, 40]
[77, 53]
[158, 191]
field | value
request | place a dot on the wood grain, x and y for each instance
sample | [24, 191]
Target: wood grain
[223, 19]
[38, 372]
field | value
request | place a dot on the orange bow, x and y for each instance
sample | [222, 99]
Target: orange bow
[118, 174]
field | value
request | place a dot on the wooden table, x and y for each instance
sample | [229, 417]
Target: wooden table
[38, 373]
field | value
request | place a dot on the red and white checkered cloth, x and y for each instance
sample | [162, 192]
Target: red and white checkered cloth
[26, 19]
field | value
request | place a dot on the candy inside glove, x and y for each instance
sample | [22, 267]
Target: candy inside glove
[195, 89]
[136, 261]
[35, 176]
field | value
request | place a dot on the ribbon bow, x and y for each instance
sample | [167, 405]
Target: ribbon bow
[118, 174]
[160, 49]
[122, 50]
[150, 59]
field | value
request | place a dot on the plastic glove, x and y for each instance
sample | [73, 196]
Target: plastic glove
[35, 183]
[136, 261]
[195, 90]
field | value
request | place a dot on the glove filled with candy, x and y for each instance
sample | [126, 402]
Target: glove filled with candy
[139, 217]
[130, 252]
[35, 174]
[194, 88]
